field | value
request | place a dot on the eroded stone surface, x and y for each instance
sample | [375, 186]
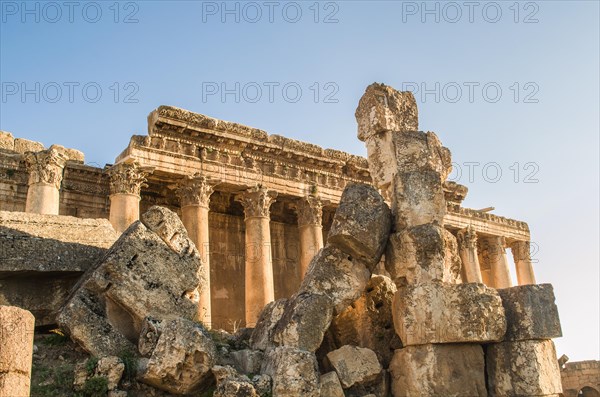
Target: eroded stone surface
[7, 141]
[25, 145]
[330, 385]
[294, 372]
[336, 275]
[422, 254]
[182, 358]
[354, 365]
[144, 274]
[531, 312]
[305, 320]
[456, 370]
[523, 368]
[446, 313]
[262, 335]
[382, 108]
[361, 224]
[16, 349]
[368, 321]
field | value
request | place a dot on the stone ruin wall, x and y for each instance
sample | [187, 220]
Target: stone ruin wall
[581, 379]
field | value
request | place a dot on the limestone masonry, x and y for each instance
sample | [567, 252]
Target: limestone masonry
[232, 262]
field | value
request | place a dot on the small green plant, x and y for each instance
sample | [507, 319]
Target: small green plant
[56, 337]
[90, 365]
[96, 386]
[131, 362]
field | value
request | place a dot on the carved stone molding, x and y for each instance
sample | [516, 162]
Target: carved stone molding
[128, 178]
[195, 190]
[467, 238]
[521, 250]
[257, 201]
[309, 210]
[45, 167]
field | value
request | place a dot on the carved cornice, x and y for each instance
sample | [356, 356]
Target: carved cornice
[195, 190]
[257, 201]
[467, 238]
[521, 250]
[128, 178]
[45, 167]
[309, 210]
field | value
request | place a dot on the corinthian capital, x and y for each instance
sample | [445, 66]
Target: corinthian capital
[309, 210]
[467, 238]
[195, 190]
[128, 178]
[257, 201]
[492, 245]
[521, 250]
[45, 167]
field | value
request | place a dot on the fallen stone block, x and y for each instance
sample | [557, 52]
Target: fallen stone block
[336, 275]
[151, 271]
[306, 318]
[248, 361]
[417, 199]
[368, 321]
[531, 312]
[330, 385]
[382, 108]
[439, 370]
[523, 368]
[262, 335]
[112, 369]
[294, 372]
[380, 387]
[361, 224]
[232, 384]
[354, 365]
[446, 313]
[16, 350]
[421, 254]
[182, 359]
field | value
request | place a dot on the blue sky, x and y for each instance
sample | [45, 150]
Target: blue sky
[512, 88]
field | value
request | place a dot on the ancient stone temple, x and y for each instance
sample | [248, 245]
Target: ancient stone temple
[257, 206]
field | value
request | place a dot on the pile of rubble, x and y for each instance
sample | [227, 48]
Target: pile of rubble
[346, 331]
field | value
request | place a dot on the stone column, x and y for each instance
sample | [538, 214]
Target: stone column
[194, 193]
[521, 251]
[45, 176]
[467, 247]
[310, 216]
[16, 349]
[126, 181]
[495, 253]
[259, 285]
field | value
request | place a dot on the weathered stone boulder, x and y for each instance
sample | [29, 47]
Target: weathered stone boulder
[361, 224]
[446, 313]
[330, 385]
[368, 321]
[247, 361]
[417, 199]
[456, 370]
[523, 368]
[354, 365]
[112, 369]
[7, 141]
[151, 271]
[232, 384]
[45, 255]
[531, 312]
[16, 350]
[382, 108]
[422, 254]
[262, 335]
[294, 372]
[182, 359]
[336, 275]
[305, 320]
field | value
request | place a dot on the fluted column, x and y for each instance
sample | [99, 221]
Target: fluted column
[259, 285]
[45, 176]
[521, 251]
[194, 193]
[310, 215]
[495, 253]
[467, 246]
[126, 181]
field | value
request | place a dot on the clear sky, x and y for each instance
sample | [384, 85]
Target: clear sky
[512, 88]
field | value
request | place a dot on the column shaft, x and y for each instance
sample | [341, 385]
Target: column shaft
[467, 243]
[499, 269]
[259, 286]
[522, 257]
[310, 214]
